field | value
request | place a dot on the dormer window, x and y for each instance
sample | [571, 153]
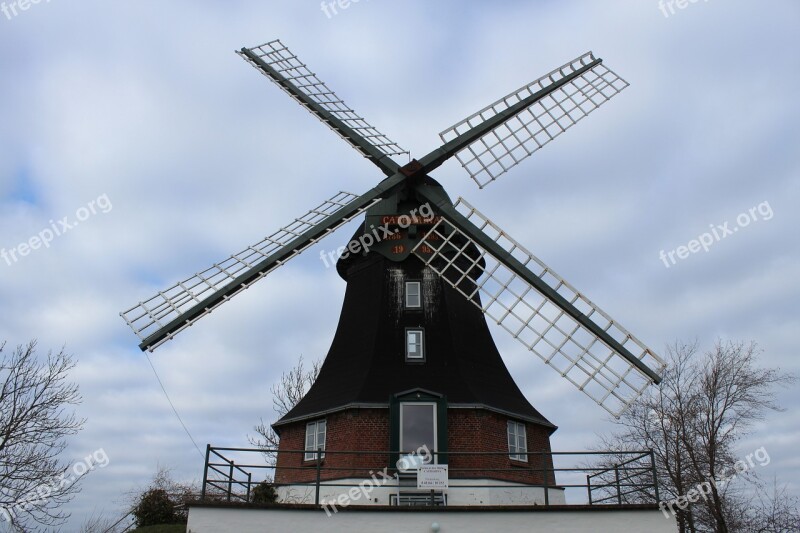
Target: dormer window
[413, 295]
[415, 344]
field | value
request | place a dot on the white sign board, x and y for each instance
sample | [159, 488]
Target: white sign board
[432, 477]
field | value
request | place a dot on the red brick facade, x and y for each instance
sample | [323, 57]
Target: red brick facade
[366, 430]
[354, 429]
[479, 430]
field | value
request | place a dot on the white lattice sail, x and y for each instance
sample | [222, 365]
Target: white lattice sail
[153, 314]
[519, 137]
[290, 69]
[532, 318]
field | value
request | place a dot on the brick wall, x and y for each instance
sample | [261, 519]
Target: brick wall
[355, 429]
[365, 430]
[478, 430]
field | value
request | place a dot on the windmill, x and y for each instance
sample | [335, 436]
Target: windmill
[462, 246]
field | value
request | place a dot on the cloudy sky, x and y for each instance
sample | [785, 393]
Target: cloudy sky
[142, 107]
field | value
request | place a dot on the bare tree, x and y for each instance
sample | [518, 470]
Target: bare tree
[285, 394]
[35, 418]
[693, 420]
[771, 510]
[99, 524]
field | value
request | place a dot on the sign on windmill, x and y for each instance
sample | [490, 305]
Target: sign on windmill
[518, 291]
[433, 477]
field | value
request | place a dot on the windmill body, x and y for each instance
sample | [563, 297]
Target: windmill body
[412, 363]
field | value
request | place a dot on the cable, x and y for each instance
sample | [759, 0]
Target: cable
[173, 406]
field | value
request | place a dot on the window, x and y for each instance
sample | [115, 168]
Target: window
[413, 295]
[417, 432]
[517, 444]
[315, 439]
[415, 345]
[417, 420]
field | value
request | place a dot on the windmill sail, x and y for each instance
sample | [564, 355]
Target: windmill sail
[561, 98]
[281, 66]
[160, 317]
[548, 317]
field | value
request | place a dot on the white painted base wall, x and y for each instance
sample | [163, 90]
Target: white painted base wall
[216, 520]
[488, 492]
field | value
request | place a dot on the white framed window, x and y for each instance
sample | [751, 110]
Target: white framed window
[413, 295]
[517, 443]
[315, 439]
[415, 345]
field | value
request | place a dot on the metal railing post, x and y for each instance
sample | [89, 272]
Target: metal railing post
[655, 474]
[205, 473]
[589, 488]
[546, 480]
[230, 480]
[319, 468]
[249, 482]
[619, 493]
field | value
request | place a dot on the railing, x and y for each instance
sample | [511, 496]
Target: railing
[612, 482]
[579, 478]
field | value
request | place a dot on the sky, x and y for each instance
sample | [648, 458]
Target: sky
[138, 121]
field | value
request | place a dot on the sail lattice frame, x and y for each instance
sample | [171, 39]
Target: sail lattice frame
[532, 318]
[152, 314]
[519, 137]
[297, 73]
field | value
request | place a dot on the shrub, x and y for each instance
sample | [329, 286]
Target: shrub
[264, 493]
[155, 507]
